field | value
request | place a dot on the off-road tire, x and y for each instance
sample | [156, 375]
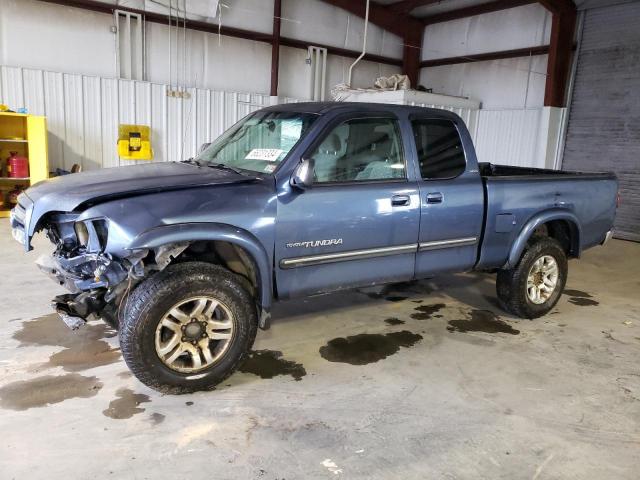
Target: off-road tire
[511, 285]
[149, 302]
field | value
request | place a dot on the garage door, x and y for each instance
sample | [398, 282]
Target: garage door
[604, 117]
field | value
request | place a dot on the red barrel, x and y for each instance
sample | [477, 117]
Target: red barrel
[17, 166]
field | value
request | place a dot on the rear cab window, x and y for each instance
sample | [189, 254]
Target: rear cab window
[439, 147]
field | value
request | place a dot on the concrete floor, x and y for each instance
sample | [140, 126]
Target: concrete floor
[465, 391]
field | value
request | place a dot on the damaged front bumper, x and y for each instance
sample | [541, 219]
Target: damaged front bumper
[99, 281]
[94, 280]
[74, 309]
[83, 272]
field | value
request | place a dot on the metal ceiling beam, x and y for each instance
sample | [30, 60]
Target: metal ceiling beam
[406, 6]
[161, 19]
[342, 52]
[558, 6]
[483, 57]
[494, 6]
[382, 16]
[410, 29]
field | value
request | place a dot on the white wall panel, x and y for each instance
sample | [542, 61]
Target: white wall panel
[315, 21]
[44, 36]
[109, 112]
[520, 137]
[498, 84]
[92, 128]
[519, 27]
[506, 83]
[73, 151]
[83, 113]
[33, 90]
[40, 35]
[54, 108]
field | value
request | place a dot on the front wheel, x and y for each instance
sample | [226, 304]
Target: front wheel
[533, 287]
[188, 327]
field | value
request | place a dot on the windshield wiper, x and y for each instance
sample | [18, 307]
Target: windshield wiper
[192, 161]
[224, 166]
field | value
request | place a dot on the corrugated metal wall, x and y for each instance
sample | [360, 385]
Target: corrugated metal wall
[506, 136]
[513, 136]
[83, 114]
[604, 118]
[510, 137]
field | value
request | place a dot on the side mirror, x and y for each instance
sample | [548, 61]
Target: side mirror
[203, 147]
[302, 177]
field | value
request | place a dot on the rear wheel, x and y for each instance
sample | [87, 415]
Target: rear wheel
[533, 287]
[188, 327]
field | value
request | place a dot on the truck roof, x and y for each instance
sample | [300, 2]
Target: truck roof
[322, 108]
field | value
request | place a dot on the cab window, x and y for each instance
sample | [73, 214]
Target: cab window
[360, 150]
[440, 152]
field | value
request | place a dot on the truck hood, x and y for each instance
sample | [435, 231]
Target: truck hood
[67, 193]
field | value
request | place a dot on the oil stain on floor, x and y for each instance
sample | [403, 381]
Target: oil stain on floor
[425, 312]
[126, 405]
[367, 348]
[157, 418]
[393, 321]
[395, 298]
[84, 348]
[482, 321]
[390, 291]
[269, 363]
[46, 390]
[580, 298]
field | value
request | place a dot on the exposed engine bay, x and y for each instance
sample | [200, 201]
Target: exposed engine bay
[98, 281]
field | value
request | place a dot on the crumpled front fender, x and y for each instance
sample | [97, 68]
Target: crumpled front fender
[193, 232]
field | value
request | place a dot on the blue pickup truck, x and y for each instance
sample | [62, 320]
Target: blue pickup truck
[186, 258]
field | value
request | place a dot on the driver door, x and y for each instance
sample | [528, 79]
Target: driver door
[358, 224]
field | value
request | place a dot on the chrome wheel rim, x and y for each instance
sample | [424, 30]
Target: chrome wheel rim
[194, 334]
[542, 279]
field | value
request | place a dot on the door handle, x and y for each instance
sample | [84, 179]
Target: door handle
[435, 197]
[400, 200]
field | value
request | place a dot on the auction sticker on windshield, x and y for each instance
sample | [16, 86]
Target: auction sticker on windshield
[266, 154]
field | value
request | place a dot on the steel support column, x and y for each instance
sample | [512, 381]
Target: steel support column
[275, 46]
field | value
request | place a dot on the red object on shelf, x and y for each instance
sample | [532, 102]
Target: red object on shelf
[17, 166]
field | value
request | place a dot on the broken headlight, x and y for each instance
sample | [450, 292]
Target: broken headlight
[92, 234]
[82, 233]
[70, 234]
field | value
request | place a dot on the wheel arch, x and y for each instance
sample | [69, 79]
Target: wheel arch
[218, 232]
[558, 224]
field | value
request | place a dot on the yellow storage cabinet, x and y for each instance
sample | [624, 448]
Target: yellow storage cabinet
[27, 135]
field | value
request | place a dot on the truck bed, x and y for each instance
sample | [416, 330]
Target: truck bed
[514, 195]
[490, 170]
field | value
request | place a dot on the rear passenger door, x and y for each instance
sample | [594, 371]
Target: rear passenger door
[451, 198]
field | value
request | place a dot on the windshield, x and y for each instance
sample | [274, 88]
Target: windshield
[259, 142]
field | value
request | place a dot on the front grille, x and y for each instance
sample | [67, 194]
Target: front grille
[18, 219]
[17, 216]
